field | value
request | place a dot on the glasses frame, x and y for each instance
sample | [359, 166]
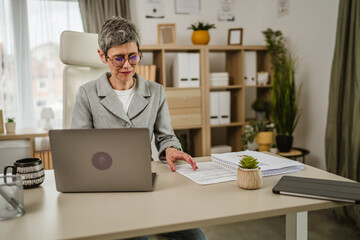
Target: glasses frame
[126, 59]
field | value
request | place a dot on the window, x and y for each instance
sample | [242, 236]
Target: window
[45, 21]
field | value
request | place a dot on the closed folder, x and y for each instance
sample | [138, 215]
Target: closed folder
[181, 70]
[194, 69]
[250, 68]
[214, 108]
[319, 188]
[224, 108]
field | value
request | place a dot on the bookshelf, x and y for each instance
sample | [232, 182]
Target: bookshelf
[190, 107]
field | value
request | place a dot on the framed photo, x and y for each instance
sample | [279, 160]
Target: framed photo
[166, 33]
[235, 36]
[1, 122]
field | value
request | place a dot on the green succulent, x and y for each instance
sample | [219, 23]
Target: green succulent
[201, 26]
[10, 120]
[248, 162]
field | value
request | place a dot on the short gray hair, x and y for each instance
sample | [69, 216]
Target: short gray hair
[117, 31]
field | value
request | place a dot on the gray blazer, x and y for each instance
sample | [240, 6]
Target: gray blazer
[97, 106]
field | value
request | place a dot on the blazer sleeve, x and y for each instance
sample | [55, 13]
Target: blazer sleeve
[81, 116]
[163, 131]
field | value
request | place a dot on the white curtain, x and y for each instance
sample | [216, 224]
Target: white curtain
[19, 17]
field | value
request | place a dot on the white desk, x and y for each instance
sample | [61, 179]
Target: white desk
[176, 203]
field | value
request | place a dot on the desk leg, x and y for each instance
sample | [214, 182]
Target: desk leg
[296, 226]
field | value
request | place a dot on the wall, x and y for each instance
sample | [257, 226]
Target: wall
[309, 28]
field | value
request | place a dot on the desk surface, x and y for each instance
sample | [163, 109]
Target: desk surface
[176, 203]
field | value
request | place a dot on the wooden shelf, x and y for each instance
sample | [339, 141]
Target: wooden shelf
[192, 105]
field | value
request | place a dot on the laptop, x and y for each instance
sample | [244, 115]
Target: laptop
[342, 191]
[102, 160]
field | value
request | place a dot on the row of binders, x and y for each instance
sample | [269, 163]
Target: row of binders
[219, 107]
[147, 72]
[186, 70]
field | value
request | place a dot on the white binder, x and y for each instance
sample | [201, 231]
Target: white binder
[181, 70]
[214, 108]
[224, 108]
[250, 68]
[194, 69]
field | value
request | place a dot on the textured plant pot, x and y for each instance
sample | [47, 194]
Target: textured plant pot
[200, 37]
[264, 140]
[10, 127]
[249, 178]
[284, 143]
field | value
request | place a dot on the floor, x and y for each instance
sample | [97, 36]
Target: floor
[322, 224]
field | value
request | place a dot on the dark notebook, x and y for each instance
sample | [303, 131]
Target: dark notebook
[319, 188]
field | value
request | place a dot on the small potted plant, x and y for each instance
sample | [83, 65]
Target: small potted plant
[273, 148]
[201, 35]
[261, 108]
[10, 125]
[261, 132]
[249, 174]
[265, 134]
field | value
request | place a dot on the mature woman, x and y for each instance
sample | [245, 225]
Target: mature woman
[121, 98]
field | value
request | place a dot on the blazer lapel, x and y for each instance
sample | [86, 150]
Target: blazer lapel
[109, 99]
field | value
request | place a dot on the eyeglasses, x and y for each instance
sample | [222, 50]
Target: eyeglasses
[120, 60]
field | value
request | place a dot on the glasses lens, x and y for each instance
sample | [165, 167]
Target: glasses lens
[133, 60]
[118, 61]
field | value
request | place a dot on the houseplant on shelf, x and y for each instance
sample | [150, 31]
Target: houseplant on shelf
[261, 108]
[284, 97]
[261, 132]
[201, 35]
[10, 125]
[249, 174]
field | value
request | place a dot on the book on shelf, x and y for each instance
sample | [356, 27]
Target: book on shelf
[223, 167]
[148, 72]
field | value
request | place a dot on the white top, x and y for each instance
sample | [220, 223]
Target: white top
[125, 96]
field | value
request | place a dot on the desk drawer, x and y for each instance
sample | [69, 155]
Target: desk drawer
[190, 117]
[183, 98]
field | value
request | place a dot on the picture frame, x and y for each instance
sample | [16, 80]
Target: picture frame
[1, 121]
[166, 33]
[235, 36]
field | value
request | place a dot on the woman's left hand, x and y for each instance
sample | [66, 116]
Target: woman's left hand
[173, 154]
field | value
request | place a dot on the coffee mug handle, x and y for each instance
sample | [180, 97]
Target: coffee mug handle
[13, 170]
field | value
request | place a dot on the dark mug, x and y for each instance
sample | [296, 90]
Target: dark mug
[31, 169]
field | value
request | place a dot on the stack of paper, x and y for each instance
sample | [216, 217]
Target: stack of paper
[219, 79]
[148, 72]
[269, 164]
[223, 167]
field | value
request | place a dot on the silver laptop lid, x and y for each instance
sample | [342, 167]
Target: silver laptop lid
[101, 160]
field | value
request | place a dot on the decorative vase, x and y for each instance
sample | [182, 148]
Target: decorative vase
[200, 37]
[10, 127]
[249, 178]
[284, 143]
[264, 140]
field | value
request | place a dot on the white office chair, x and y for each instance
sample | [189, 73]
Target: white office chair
[78, 51]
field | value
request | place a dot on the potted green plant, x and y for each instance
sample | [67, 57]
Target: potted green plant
[10, 125]
[261, 108]
[284, 97]
[249, 174]
[200, 35]
[261, 132]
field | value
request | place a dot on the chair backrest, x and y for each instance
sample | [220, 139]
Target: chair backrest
[78, 51]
